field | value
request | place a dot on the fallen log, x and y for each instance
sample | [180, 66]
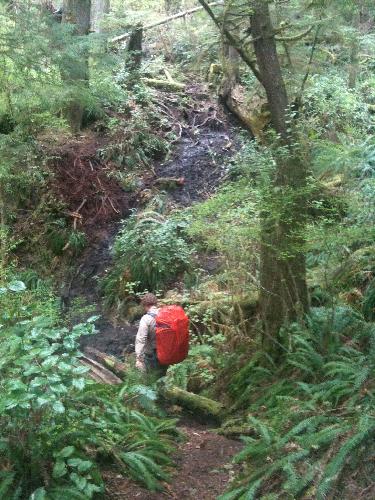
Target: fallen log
[169, 183]
[166, 20]
[98, 372]
[201, 406]
[236, 431]
[110, 362]
[164, 84]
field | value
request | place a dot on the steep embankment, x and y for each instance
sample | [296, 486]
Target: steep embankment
[205, 138]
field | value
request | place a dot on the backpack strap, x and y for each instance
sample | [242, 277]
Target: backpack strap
[153, 315]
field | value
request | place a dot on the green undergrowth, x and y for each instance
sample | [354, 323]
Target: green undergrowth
[149, 253]
[59, 429]
[310, 419]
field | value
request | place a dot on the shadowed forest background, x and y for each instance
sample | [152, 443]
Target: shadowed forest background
[220, 155]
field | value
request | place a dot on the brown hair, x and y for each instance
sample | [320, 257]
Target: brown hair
[149, 300]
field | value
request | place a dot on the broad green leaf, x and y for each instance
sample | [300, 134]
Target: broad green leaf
[92, 319]
[16, 385]
[39, 494]
[64, 367]
[59, 389]
[81, 465]
[92, 488]
[79, 481]
[31, 371]
[79, 383]
[17, 286]
[42, 401]
[59, 469]
[58, 407]
[50, 362]
[80, 370]
[66, 452]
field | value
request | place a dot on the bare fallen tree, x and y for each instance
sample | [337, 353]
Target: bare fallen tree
[179, 15]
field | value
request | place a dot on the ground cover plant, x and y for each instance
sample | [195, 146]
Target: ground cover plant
[57, 426]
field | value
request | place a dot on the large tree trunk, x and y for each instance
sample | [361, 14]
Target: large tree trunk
[283, 296]
[99, 8]
[230, 60]
[76, 70]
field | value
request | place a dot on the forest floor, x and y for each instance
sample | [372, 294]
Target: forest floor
[207, 139]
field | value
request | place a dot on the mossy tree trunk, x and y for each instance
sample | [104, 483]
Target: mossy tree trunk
[205, 408]
[76, 69]
[230, 64]
[283, 296]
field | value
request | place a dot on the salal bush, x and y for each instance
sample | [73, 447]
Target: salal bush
[56, 425]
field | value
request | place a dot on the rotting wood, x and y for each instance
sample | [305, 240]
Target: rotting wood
[166, 20]
[99, 373]
[110, 362]
[199, 405]
[164, 84]
[169, 183]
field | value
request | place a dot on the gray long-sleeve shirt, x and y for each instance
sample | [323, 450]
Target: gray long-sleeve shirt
[145, 342]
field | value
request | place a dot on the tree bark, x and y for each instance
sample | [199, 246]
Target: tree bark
[354, 64]
[99, 8]
[269, 66]
[230, 63]
[76, 69]
[134, 49]
[283, 295]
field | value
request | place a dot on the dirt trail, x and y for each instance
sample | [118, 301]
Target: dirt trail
[203, 470]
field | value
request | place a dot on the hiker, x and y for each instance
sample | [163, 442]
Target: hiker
[163, 336]
[145, 342]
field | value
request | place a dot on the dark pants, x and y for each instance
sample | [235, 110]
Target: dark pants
[152, 364]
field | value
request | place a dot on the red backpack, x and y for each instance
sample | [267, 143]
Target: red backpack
[172, 335]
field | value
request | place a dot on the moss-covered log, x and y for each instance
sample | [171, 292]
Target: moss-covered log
[164, 84]
[98, 372]
[110, 362]
[200, 406]
[236, 431]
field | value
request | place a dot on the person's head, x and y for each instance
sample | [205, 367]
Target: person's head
[149, 300]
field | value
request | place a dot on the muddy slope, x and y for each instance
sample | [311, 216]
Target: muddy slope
[199, 155]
